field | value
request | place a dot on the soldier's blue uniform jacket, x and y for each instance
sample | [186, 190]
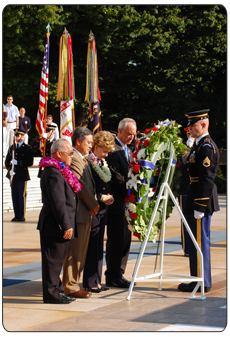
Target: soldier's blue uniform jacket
[202, 164]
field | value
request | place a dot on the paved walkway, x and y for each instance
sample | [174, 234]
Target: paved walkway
[148, 308]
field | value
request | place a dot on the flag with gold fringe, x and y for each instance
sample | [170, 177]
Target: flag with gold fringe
[92, 95]
[43, 95]
[66, 91]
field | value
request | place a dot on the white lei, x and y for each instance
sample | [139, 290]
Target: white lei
[104, 172]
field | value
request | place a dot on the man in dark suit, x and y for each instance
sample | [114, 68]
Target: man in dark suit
[57, 222]
[23, 158]
[202, 198]
[119, 236]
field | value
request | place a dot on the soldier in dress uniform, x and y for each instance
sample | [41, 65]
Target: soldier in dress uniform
[23, 158]
[202, 198]
[49, 136]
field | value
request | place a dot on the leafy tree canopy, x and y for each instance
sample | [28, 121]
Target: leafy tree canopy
[155, 61]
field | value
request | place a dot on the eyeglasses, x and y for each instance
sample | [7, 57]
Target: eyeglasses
[69, 153]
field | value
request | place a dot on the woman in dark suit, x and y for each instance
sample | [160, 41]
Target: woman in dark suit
[103, 143]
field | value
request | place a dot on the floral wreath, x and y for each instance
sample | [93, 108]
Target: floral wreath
[103, 171]
[68, 175]
[145, 178]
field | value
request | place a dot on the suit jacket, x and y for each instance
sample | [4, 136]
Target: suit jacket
[24, 156]
[58, 213]
[119, 166]
[87, 199]
[101, 188]
[203, 162]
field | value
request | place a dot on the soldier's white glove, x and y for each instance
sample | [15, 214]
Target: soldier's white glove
[198, 215]
[14, 162]
[190, 141]
[44, 135]
[12, 173]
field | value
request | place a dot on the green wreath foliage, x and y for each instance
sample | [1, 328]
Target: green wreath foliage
[144, 183]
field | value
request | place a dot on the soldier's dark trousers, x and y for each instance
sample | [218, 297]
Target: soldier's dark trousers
[18, 192]
[201, 231]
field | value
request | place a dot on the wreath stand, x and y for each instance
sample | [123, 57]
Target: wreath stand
[160, 277]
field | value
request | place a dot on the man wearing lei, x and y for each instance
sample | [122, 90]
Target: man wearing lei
[57, 219]
[103, 143]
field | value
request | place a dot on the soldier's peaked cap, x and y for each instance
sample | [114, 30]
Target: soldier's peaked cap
[195, 116]
[50, 127]
[18, 132]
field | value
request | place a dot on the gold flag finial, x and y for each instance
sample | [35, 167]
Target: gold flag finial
[65, 32]
[91, 35]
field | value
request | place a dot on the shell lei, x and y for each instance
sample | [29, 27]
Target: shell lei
[104, 172]
[68, 175]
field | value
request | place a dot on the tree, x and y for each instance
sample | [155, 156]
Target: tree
[155, 61]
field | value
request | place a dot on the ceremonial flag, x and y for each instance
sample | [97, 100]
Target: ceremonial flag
[66, 92]
[43, 96]
[92, 95]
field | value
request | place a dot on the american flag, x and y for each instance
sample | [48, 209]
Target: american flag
[43, 96]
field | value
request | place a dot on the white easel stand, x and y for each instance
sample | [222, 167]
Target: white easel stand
[159, 277]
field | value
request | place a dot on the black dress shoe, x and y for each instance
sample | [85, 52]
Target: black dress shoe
[20, 219]
[117, 282]
[93, 290]
[14, 219]
[68, 297]
[189, 287]
[126, 281]
[64, 299]
[104, 288]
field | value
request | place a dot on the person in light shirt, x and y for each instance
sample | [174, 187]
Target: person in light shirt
[12, 120]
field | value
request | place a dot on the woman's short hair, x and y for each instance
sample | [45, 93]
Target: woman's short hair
[80, 133]
[104, 139]
[58, 145]
[123, 123]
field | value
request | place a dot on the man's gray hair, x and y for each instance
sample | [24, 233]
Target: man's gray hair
[80, 133]
[58, 145]
[123, 123]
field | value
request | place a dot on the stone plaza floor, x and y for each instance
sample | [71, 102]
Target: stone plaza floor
[148, 309]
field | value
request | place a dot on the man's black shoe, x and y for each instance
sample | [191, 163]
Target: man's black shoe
[68, 297]
[14, 219]
[117, 282]
[20, 219]
[126, 281]
[64, 299]
[189, 287]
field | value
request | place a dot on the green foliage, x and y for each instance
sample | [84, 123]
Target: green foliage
[155, 61]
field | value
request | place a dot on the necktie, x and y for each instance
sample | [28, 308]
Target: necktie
[17, 146]
[126, 152]
[85, 161]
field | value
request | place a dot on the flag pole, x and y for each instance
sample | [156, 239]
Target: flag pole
[45, 112]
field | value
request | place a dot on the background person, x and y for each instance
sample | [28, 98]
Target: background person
[4, 122]
[24, 123]
[82, 139]
[57, 219]
[119, 236]
[49, 121]
[103, 143]
[12, 120]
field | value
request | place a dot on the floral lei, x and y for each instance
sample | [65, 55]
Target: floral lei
[68, 175]
[140, 177]
[103, 172]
